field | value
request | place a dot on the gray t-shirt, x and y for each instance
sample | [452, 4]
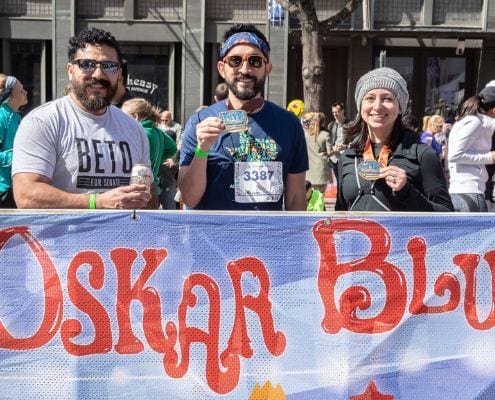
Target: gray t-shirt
[79, 152]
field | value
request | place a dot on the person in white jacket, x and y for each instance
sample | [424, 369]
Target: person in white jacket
[470, 143]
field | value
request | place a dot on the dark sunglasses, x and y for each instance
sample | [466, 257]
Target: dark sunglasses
[89, 66]
[237, 61]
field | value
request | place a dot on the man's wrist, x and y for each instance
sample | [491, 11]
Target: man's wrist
[92, 201]
[200, 153]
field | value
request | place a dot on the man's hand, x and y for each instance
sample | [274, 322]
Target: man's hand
[192, 178]
[169, 162]
[35, 191]
[125, 197]
[207, 132]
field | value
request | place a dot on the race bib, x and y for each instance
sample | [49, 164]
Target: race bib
[258, 182]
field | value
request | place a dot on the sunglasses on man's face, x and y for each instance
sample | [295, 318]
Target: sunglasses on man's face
[253, 61]
[89, 66]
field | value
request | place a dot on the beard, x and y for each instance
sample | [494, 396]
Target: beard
[94, 102]
[246, 93]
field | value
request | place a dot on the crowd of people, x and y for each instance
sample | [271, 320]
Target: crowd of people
[242, 152]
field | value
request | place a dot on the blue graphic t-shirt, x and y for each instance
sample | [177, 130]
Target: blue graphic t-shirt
[274, 134]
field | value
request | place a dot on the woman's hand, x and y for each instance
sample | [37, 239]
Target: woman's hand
[395, 177]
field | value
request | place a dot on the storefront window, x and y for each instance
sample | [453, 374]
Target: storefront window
[445, 81]
[403, 65]
[26, 66]
[436, 84]
[148, 68]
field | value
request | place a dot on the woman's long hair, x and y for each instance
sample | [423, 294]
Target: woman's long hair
[426, 121]
[435, 122]
[471, 106]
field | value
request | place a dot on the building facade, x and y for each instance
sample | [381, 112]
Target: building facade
[444, 48]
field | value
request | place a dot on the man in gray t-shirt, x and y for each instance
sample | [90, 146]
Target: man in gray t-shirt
[78, 151]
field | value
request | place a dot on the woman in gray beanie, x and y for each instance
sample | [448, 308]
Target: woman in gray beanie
[386, 167]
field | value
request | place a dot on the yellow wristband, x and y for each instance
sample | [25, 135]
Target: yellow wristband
[92, 201]
[199, 153]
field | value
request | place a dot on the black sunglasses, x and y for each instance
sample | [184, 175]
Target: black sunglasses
[89, 66]
[237, 61]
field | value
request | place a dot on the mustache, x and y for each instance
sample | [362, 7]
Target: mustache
[102, 82]
[246, 76]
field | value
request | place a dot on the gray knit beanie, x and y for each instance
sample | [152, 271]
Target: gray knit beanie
[383, 78]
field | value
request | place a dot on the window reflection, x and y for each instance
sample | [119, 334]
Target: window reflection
[445, 82]
[148, 72]
[26, 66]
[438, 86]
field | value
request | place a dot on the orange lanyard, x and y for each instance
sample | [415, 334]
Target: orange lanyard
[385, 152]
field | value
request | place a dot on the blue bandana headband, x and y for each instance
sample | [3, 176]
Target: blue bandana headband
[9, 85]
[244, 38]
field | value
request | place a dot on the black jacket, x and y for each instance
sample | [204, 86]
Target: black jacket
[425, 190]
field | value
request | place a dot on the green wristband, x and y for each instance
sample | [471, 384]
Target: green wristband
[199, 153]
[92, 201]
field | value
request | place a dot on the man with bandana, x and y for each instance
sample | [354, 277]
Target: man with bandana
[243, 153]
[78, 151]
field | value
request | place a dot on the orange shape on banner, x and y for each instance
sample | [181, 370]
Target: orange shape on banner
[267, 392]
[372, 393]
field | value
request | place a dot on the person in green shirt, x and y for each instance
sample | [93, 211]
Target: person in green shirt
[162, 146]
[314, 198]
[12, 97]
